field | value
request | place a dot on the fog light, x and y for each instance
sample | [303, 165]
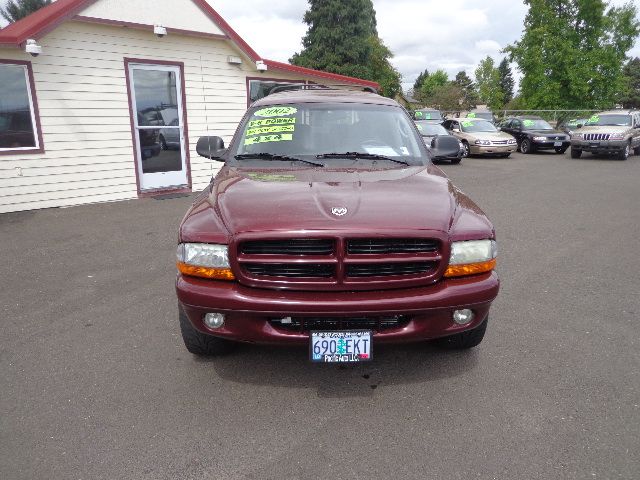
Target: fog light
[214, 320]
[462, 317]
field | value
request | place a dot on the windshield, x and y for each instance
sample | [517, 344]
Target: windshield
[428, 115]
[536, 124]
[310, 130]
[431, 129]
[472, 126]
[610, 120]
[481, 115]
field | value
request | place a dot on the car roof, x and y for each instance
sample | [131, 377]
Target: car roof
[471, 119]
[620, 111]
[528, 117]
[328, 95]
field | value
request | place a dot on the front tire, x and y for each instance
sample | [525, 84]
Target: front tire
[575, 153]
[199, 343]
[624, 153]
[465, 340]
[525, 146]
[466, 150]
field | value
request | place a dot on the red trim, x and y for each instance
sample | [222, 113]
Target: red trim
[317, 73]
[263, 79]
[187, 146]
[36, 109]
[142, 26]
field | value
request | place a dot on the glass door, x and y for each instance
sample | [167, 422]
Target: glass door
[156, 98]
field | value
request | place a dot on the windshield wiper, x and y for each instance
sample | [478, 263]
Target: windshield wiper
[366, 156]
[271, 156]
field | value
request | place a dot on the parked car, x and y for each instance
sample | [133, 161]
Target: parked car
[534, 134]
[328, 226]
[481, 137]
[615, 132]
[429, 114]
[482, 114]
[432, 133]
[169, 138]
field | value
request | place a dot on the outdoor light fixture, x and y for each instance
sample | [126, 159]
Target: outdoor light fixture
[261, 66]
[233, 60]
[32, 48]
[160, 31]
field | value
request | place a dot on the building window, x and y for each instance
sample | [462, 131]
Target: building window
[261, 88]
[19, 125]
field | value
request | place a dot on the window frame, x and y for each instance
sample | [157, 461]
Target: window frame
[33, 105]
[275, 80]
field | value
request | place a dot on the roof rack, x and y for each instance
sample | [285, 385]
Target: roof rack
[317, 86]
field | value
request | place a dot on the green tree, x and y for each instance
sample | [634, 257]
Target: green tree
[18, 9]
[506, 80]
[343, 38]
[488, 81]
[630, 97]
[438, 78]
[417, 85]
[469, 97]
[572, 52]
[447, 97]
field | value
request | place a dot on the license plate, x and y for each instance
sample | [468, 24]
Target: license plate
[595, 145]
[347, 346]
[557, 144]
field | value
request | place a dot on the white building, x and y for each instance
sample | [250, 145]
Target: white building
[110, 110]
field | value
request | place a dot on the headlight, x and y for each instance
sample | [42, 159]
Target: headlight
[472, 257]
[577, 136]
[204, 260]
[616, 136]
[483, 142]
[539, 139]
[512, 141]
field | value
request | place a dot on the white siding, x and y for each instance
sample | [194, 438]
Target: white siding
[81, 88]
[180, 14]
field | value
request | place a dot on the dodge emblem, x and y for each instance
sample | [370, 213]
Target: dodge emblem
[339, 211]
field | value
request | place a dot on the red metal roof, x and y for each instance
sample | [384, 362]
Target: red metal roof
[48, 18]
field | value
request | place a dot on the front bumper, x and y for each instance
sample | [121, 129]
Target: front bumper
[551, 145]
[600, 146]
[492, 149]
[249, 310]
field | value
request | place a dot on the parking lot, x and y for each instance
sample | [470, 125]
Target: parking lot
[96, 383]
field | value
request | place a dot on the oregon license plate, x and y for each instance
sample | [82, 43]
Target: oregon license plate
[557, 144]
[341, 346]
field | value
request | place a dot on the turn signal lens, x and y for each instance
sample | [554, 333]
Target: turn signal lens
[470, 269]
[206, 272]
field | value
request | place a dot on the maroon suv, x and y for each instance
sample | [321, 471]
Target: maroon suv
[329, 226]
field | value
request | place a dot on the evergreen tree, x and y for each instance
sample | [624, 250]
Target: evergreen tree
[438, 78]
[572, 52]
[468, 89]
[343, 38]
[18, 9]
[488, 81]
[631, 93]
[417, 85]
[506, 80]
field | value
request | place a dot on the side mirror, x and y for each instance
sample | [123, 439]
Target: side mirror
[210, 147]
[444, 146]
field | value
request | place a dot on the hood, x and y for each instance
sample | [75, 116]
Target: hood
[602, 129]
[243, 200]
[488, 135]
[546, 133]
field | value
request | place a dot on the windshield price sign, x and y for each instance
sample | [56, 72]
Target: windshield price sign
[340, 347]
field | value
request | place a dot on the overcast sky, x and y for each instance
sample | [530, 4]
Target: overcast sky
[453, 35]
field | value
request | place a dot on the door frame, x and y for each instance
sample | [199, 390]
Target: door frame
[180, 65]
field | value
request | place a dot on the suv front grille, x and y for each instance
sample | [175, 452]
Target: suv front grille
[597, 136]
[307, 324]
[381, 246]
[288, 247]
[338, 263]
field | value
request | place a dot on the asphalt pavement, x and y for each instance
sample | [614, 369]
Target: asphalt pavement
[95, 382]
